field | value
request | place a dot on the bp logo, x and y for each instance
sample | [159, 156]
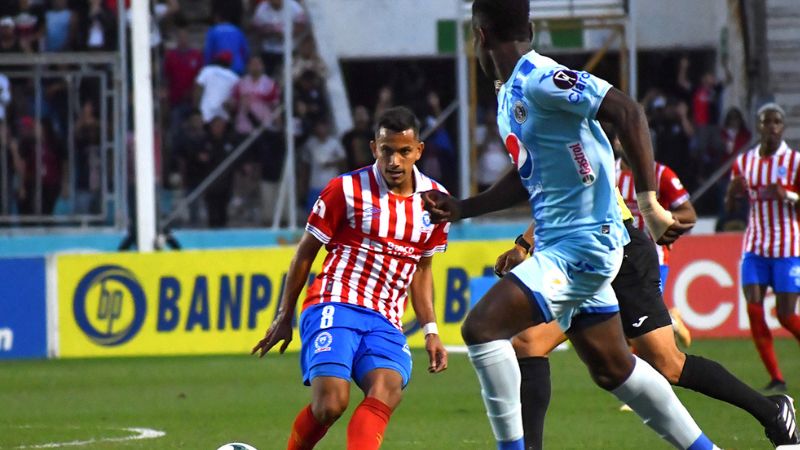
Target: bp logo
[109, 305]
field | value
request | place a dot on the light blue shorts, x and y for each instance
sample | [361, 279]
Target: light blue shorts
[572, 276]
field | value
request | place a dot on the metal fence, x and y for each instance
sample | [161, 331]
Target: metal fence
[44, 131]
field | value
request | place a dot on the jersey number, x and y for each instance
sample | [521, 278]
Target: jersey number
[327, 317]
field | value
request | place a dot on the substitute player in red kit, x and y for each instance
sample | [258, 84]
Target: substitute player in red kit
[770, 175]
[380, 243]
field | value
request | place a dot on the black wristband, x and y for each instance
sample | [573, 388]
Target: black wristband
[520, 240]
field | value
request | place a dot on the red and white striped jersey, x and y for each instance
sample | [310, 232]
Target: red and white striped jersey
[772, 228]
[374, 239]
[670, 194]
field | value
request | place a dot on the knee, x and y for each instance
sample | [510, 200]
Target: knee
[472, 331]
[390, 396]
[669, 365]
[611, 376]
[328, 408]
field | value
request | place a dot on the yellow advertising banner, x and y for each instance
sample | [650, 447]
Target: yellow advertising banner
[216, 301]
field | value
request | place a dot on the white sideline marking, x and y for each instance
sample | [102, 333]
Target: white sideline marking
[141, 433]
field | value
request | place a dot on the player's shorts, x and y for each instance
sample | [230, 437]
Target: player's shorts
[783, 274]
[572, 276]
[638, 287]
[349, 341]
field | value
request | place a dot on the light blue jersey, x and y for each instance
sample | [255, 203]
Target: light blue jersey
[546, 116]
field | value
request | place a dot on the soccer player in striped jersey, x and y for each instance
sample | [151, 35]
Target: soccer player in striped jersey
[380, 243]
[770, 175]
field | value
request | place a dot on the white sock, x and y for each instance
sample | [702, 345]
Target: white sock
[498, 372]
[651, 397]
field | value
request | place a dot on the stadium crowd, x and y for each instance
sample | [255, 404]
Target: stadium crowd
[217, 83]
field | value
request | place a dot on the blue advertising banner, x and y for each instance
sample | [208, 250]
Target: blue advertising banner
[23, 306]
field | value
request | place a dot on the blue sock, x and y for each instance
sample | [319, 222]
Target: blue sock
[701, 443]
[518, 444]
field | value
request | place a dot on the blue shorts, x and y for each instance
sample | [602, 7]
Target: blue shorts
[783, 274]
[572, 276]
[348, 341]
[664, 269]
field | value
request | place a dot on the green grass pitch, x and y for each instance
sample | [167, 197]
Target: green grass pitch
[203, 402]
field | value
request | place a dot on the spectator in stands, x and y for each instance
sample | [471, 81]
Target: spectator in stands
[439, 159]
[219, 143]
[324, 159]
[385, 100]
[29, 23]
[215, 85]
[231, 11]
[311, 105]
[181, 67]
[268, 23]
[705, 117]
[97, 28]
[8, 36]
[493, 160]
[5, 97]
[356, 141]
[224, 36]
[734, 134]
[188, 141]
[672, 131]
[61, 25]
[254, 98]
[48, 168]
[87, 161]
[307, 58]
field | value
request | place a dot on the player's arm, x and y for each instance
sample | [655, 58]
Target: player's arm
[504, 193]
[512, 257]
[630, 122]
[281, 328]
[736, 188]
[422, 302]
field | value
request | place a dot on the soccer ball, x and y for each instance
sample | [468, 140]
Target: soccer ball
[236, 446]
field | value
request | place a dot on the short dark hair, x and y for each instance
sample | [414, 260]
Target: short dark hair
[507, 20]
[397, 119]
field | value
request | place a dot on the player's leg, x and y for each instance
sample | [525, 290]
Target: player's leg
[599, 341]
[787, 287]
[326, 359]
[507, 309]
[756, 274]
[381, 368]
[532, 348]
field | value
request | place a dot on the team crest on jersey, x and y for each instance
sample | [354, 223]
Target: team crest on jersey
[520, 113]
[520, 156]
[426, 220]
[565, 79]
[782, 171]
[319, 208]
[323, 342]
[582, 165]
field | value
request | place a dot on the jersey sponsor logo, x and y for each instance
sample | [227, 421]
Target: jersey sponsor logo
[520, 113]
[565, 79]
[323, 342]
[519, 154]
[369, 212]
[582, 165]
[639, 322]
[399, 250]
[118, 305]
[319, 208]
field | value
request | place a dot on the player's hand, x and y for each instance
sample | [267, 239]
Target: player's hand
[775, 191]
[508, 260]
[280, 330]
[673, 232]
[442, 207]
[437, 355]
